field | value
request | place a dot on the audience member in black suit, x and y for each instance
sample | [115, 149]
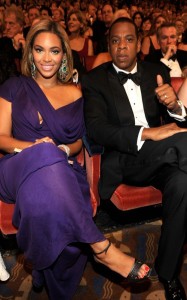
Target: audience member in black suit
[100, 29]
[168, 54]
[77, 65]
[125, 118]
[33, 13]
[13, 41]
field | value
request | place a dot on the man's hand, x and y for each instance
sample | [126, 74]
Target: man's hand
[167, 96]
[18, 41]
[161, 132]
[172, 49]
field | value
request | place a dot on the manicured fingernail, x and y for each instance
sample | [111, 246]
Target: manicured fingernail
[147, 268]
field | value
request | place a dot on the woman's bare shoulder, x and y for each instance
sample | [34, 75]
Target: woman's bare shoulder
[72, 91]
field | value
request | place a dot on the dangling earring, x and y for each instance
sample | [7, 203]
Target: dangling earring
[63, 71]
[33, 70]
[32, 66]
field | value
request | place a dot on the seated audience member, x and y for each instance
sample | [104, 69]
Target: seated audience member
[138, 18]
[145, 27]
[41, 130]
[78, 66]
[105, 56]
[183, 44]
[120, 13]
[76, 24]
[101, 35]
[33, 13]
[180, 29]
[45, 12]
[13, 40]
[132, 10]
[168, 54]
[54, 5]
[58, 16]
[90, 14]
[125, 102]
[91, 19]
[150, 43]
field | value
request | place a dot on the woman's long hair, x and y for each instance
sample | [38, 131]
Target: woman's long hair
[46, 25]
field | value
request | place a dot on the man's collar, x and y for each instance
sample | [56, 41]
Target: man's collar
[134, 70]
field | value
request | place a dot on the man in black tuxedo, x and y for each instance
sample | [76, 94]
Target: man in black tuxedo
[125, 117]
[168, 54]
[13, 42]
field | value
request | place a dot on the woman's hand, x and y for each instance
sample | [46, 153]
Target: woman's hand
[43, 140]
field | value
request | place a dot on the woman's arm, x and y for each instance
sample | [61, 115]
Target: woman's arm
[145, 45]
[7, 142]
[90, 48]
[182, 93]
[74, 148]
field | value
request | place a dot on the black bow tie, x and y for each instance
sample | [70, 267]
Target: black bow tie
[174, 57]
[123, 77]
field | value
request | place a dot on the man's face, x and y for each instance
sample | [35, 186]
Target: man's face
[12, 27]
[107, 14]
[180, 26]
[133, 9]
[124, 45]
[33, 14]
[167, 36]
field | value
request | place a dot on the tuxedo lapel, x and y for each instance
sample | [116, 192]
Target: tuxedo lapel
[121, 100]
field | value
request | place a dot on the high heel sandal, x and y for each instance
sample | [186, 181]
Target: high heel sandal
[133, 274]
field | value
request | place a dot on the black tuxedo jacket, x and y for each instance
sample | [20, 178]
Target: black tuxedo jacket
[110, 120]
[155, 57]
[6, 46]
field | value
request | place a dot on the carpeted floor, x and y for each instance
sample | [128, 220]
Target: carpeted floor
[98, 283]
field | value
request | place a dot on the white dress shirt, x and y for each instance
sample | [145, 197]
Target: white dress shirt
[135, 98]
[175, 70]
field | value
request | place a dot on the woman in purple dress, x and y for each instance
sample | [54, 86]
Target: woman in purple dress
[41, 129]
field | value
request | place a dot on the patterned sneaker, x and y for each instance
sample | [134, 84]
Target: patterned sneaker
[4, 275]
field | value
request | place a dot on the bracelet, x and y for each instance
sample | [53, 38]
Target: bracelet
[66, 148]
[179, 109]
[180, 103]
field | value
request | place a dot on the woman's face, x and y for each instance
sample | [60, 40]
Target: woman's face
[47, 54]
[159, 22]
[73, 23]
[146, 26]
[138, 20]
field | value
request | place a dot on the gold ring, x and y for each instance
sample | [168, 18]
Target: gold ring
[165, 96]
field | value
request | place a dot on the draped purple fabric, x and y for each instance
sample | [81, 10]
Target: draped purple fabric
[52, 201]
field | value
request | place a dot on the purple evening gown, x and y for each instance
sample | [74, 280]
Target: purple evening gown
[52, 201]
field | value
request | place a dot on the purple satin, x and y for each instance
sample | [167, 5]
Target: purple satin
[52, 201]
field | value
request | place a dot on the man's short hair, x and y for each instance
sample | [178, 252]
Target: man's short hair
[124, 20]
[17, 12]
[165, 25]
